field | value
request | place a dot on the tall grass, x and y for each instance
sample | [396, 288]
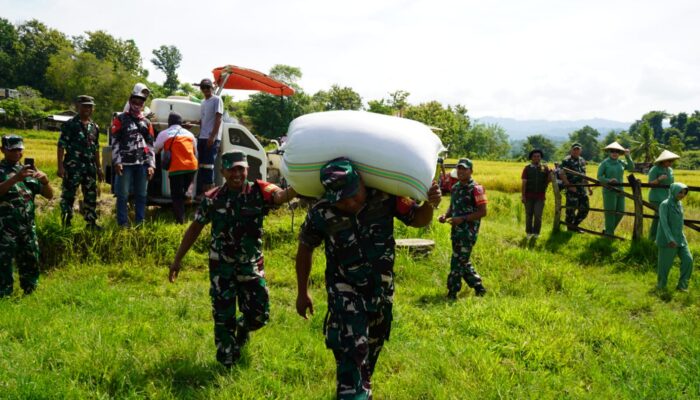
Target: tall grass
[569, 316]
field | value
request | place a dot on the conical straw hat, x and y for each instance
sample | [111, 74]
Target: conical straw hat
[666, 155]
[614, 146]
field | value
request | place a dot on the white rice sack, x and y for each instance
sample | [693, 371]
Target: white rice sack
[395, 155]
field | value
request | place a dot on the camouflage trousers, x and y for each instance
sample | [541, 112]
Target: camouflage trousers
[245, 284]
[356, 336]
[86, 178]
[18, 242]
[576, 207]
[460, 264]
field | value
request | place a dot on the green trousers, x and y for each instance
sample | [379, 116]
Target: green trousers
[654, 222]
[666, 257]
[614, 202]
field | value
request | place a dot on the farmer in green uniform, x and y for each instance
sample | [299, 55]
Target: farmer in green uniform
[671, 240]
[79, 162]
[467, 207]
[577, 203]
[610, 171]
[660, 174]
[356, 224]
[19, 184]
[236, 269]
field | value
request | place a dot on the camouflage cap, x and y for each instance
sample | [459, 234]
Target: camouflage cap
[465, 162]
[576, 145]
[85, 99]
[12, 142]
[340, 179]
[233, 159]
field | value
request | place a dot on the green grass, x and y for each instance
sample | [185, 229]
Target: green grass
[572, 316]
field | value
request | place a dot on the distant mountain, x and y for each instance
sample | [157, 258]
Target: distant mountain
[520, 129]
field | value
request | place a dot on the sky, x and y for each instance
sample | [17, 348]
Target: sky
[535, 59]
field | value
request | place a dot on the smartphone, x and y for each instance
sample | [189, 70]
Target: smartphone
[29, 162]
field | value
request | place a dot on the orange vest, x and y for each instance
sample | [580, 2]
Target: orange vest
[182, 154]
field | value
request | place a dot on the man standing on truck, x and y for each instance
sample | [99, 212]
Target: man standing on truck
[236, 270]
[212, 111]
[132, 157]
[79, 162]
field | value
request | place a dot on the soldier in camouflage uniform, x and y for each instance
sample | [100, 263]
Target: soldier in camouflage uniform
[79, 143]
[576, 196]
[236, 270]
[467, 207]
[357, 225]
[18, 186]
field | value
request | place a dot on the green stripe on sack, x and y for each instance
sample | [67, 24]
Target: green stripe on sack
[367, 169]
[392, 175]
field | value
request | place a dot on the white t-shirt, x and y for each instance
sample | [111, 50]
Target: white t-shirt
[210, 107]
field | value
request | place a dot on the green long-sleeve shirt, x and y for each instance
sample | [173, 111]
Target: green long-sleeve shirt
[671, 219]
[657, 195]
[613, 169]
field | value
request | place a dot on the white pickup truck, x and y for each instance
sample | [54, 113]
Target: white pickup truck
[263, 164]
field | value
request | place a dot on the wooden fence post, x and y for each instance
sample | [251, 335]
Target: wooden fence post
[557, 200]
[638, 231]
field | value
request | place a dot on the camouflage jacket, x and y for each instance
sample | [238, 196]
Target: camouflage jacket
[81, 142]
[464, 200]
[132, 141]
[578, 165]
[17, 204]
[359, 248]
[237, 221]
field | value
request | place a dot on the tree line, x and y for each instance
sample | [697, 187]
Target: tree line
[49, 69]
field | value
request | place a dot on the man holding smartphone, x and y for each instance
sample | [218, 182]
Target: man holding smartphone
[79, 162]
[19, 184]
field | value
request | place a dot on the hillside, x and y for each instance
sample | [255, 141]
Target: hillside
[520, 129]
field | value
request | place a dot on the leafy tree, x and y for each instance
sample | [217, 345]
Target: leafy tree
[28, 107]
[487, 141]
[379, 106]
[588, 138]
[692, 131]
[655, 120]
[338, 98]
[644, 143]
[270, 115]
[106, 47]
[679, 121]
[287, 74]
[676, 145]
[398, 101]
[539, 142]
[167, 59]
[452, 123]
[8, 53]
[72, 74]
[36, 45]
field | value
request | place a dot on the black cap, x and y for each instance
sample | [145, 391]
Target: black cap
[174, 119]
[205, 83]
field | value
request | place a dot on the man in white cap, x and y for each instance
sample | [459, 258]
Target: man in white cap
[145, 91]
[660, 174]
[610, 171]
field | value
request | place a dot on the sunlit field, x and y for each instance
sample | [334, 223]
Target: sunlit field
[567, 316]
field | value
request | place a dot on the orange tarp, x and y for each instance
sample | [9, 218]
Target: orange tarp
[248, 79]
